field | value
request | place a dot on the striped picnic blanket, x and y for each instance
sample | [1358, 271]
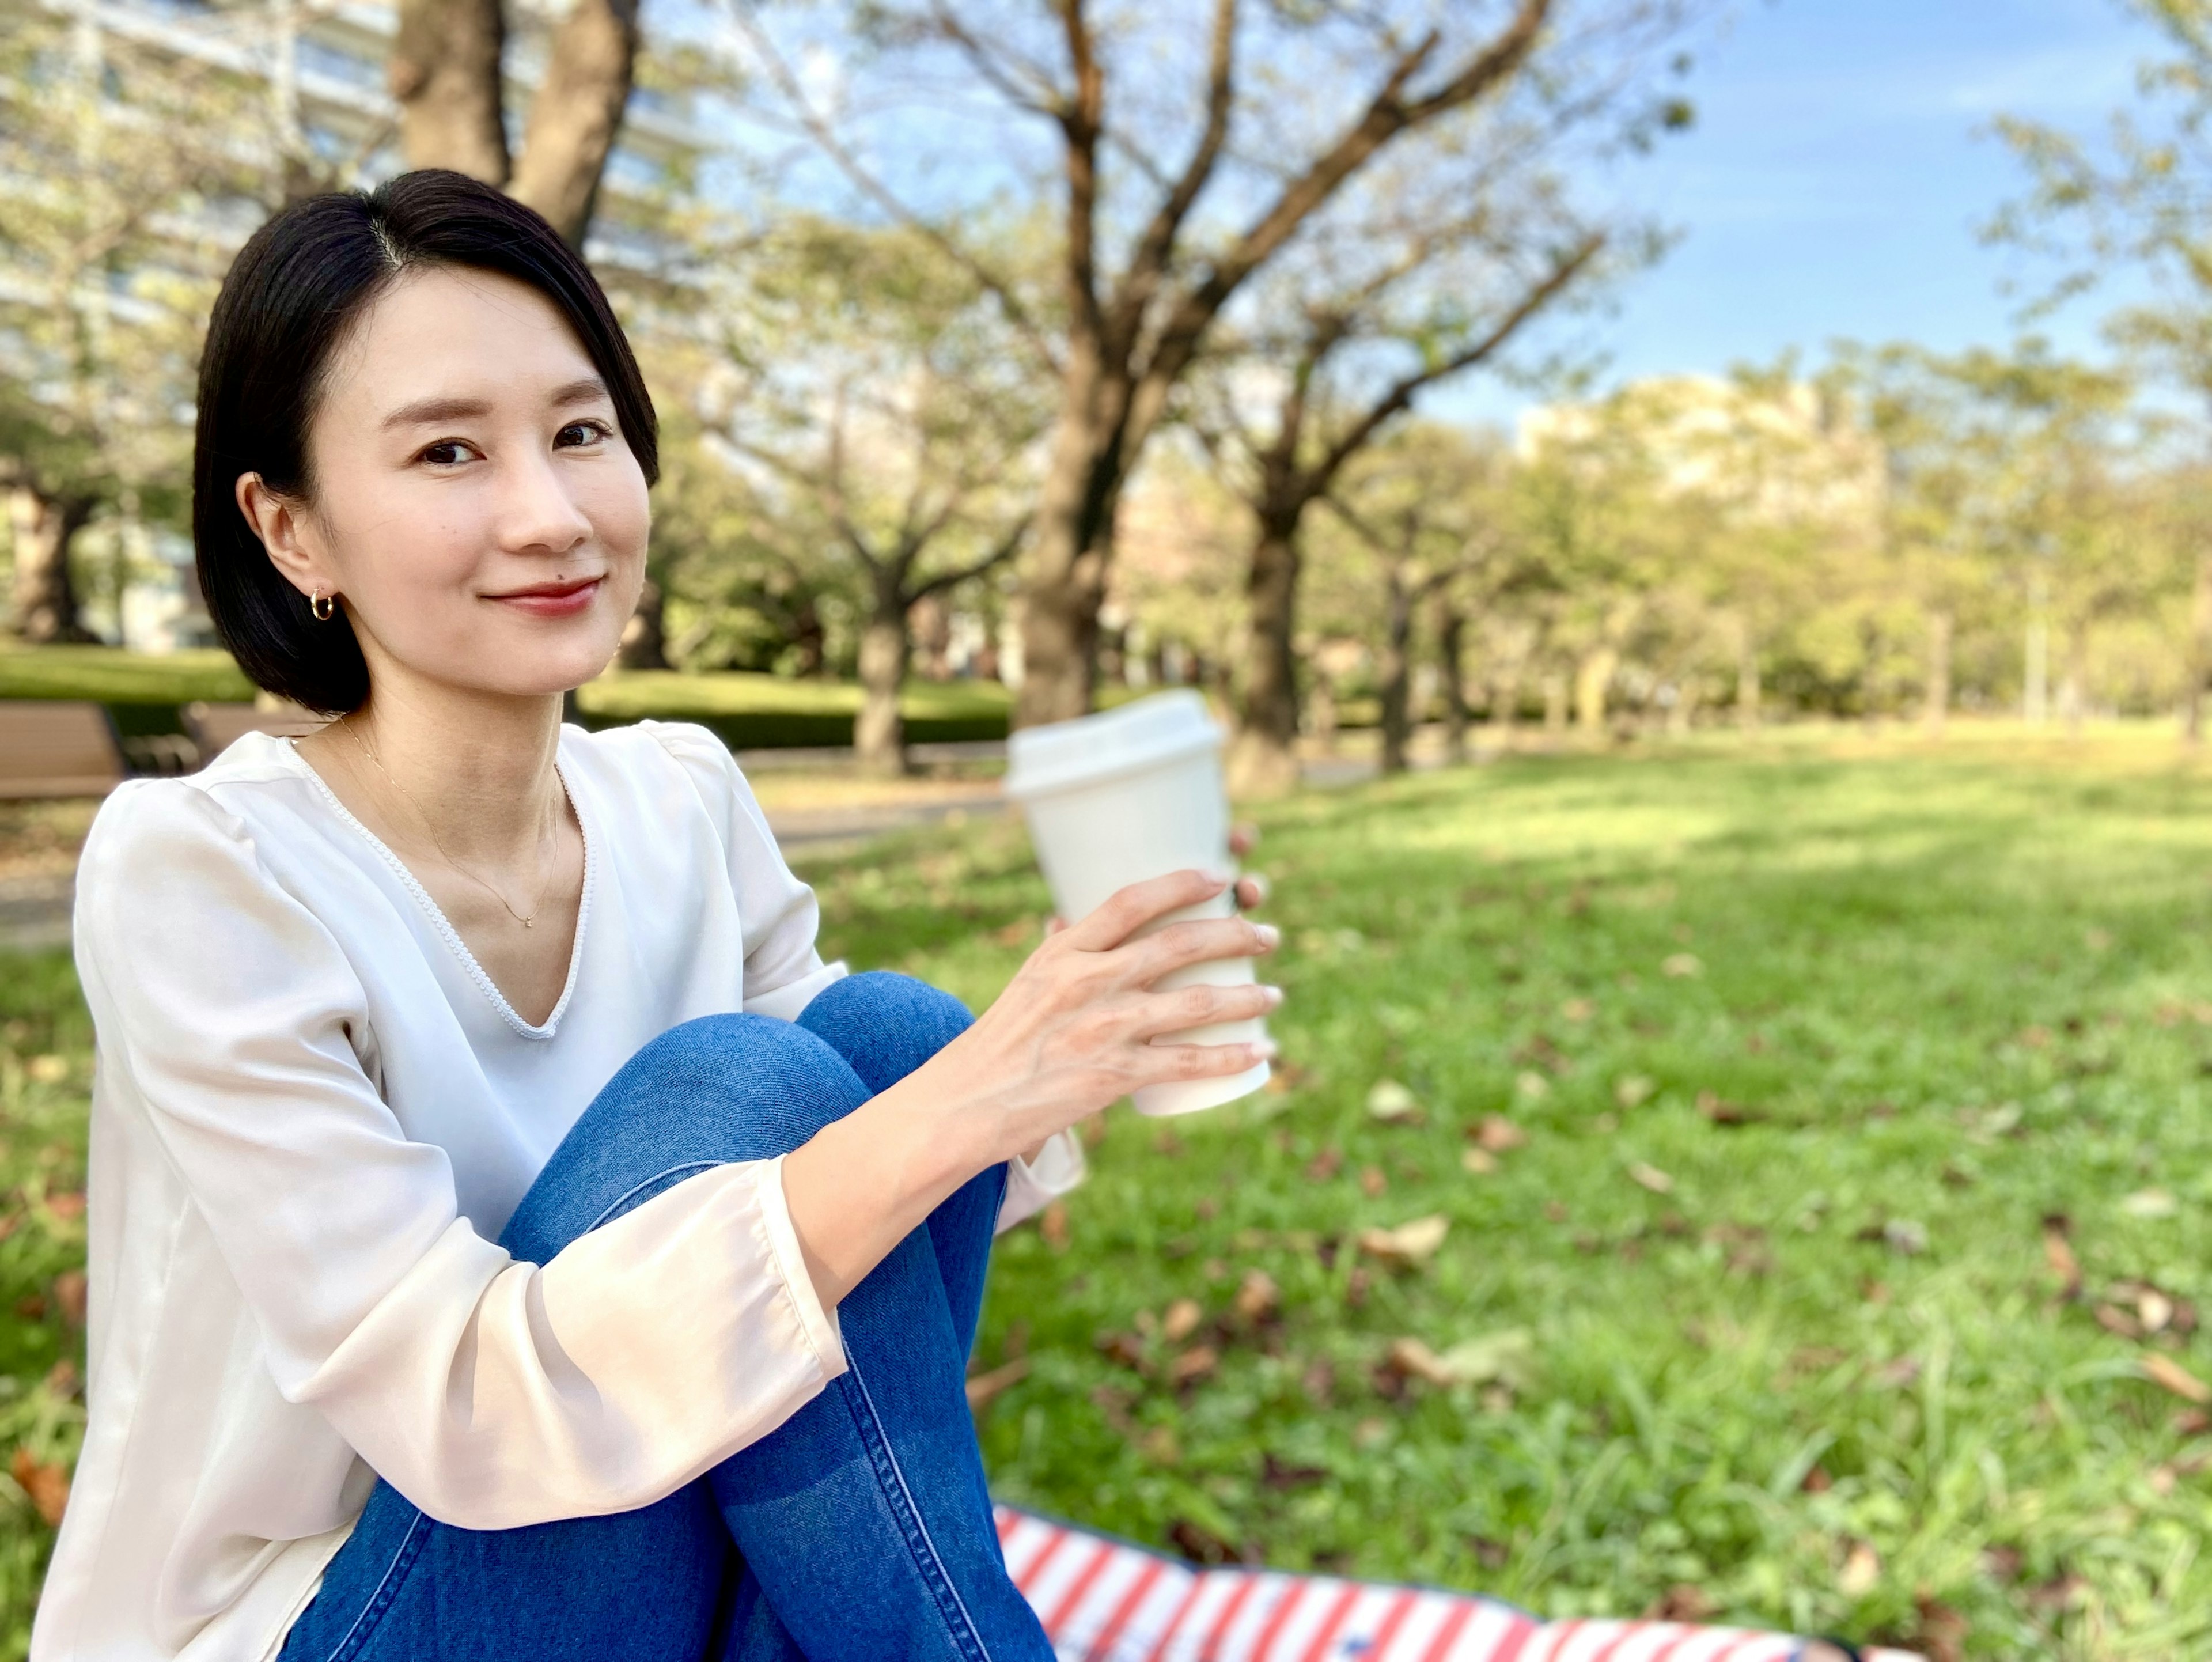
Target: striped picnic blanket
[1103, 1600]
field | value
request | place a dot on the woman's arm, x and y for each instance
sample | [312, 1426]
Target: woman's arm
[1071, 1034]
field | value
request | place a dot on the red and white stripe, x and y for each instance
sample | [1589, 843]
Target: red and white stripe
[1106, 1601]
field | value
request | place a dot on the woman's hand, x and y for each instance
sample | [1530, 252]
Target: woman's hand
[1074, 1029]
[1073, 1032]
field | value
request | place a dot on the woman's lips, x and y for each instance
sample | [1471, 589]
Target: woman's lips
[553, 600]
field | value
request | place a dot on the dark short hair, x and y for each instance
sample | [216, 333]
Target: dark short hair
[295, 289]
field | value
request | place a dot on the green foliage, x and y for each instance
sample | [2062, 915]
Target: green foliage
[1946, 1000]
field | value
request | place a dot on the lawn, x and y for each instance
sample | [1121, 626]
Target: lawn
[1822, 1133]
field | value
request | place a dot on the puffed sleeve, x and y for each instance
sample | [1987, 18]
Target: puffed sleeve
[777, 912]
[491, 1392]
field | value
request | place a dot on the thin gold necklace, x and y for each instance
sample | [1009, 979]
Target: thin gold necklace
[529, 922]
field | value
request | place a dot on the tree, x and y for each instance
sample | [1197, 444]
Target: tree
[888, 428]
[447, 70]
[2134, 197]
[1428, 280]
[1171, 204]
[105, 143]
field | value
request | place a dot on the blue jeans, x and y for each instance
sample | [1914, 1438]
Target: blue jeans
[859, 1531]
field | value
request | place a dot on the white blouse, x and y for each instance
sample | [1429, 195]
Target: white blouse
[312, 1117]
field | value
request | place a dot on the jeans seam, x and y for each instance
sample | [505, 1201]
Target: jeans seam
[623, 1199]
[386, 1591]
[933, 1573]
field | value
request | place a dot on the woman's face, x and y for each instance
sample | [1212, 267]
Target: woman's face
[475, 506]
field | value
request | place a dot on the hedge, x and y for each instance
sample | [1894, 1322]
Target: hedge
[144, 691]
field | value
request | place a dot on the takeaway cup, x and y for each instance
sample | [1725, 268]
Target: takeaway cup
[1113, 799]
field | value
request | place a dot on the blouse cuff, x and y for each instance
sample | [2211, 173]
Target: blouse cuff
[819, 1325]
[1033, 1185]
[784, 1003]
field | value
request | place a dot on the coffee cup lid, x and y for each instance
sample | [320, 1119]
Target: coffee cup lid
[1063, 755]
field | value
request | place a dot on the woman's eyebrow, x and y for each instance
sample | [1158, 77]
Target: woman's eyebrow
[434, 410]
[585, 389]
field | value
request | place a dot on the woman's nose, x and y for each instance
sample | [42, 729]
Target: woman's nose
[537, 512]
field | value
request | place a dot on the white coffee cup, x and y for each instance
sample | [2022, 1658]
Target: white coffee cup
[1131, 793]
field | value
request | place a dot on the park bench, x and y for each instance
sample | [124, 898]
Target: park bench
[57, 747]
[215, 728]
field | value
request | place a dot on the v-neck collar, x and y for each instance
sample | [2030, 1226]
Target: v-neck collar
[444, 925]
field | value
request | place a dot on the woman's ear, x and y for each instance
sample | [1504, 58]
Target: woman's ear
[287, 533]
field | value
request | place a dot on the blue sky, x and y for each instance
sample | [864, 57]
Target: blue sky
[1836, 174]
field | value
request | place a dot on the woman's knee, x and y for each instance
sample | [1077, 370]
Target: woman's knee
[885, 1025]
[710, 1092]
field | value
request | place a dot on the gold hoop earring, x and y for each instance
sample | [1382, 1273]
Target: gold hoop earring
[323, 607]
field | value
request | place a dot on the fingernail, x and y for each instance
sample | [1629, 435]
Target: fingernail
[1264, 1048]
[1275, 995]
[1218, 878]
[1269, 936]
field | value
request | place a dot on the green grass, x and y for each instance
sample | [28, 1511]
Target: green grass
[1955, 995]
[1958, 996]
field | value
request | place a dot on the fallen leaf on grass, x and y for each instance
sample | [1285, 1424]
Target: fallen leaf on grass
[1325, 1165]
[47, 1486]
[1481, 1161]
[1182, 1320]
[1942, 1635]
[985, 1386]
[1195, 1364]
[1681, 966]
[68, 1206]
[62, 1380]
[1504, 1358]
[2170, 1375]
[1355, 1289]
[1496, 1134]
[70, 1292]
[1258, 1298]
[1281, 1474]
[1682, 1603]
[1532, 1085]
[1160, 1446]
[1578, 1009]
[1392, 1103]
[1650, 1176]
[1719, 1111]
[2058, 1253]
[2116, 1321]
[1052, 1225]
[46, 1069]
[1862, 1570]
[1373, 1181]
[2150, 1203]
[1201, 1545]
[1126, 1348]
[1409, 1245]
[1633, 1090]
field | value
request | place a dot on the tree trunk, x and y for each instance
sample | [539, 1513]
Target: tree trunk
[2200, 650]
[1555, 702]
[1746, 678]
[2073, 684]
[1069, 550]
[1264, 760]
[645, 637]
[45, 598]
[2035, 670]
[1397, 673]
[1937, 708]
[1451, 632]
[1593, 681]
[577, 113]
[878, 734]
[445, 72]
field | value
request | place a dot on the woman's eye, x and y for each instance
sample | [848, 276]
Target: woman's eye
[578, 433]
[447, 452]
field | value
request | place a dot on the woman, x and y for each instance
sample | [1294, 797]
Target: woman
[508, 1238]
